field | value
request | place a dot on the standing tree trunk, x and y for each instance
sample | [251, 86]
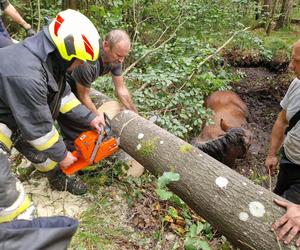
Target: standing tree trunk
[69, 4]
[257, 12]
[285, 11]
[262, 12]
[239, 209]
[266, 9]
[271, 17]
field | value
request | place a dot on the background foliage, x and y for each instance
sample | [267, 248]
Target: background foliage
[176, 35]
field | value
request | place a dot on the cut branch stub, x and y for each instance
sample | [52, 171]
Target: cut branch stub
[239, 209]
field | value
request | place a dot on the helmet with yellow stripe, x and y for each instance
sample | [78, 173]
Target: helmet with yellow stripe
[75, 36]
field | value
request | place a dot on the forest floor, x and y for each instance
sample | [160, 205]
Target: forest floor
[125, 213]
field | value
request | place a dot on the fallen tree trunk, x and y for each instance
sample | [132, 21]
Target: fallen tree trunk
[112, 108]
[239, 209]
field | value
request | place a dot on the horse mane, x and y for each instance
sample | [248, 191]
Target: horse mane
[219, 148]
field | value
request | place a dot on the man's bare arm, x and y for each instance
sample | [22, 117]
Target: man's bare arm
[277, 138]
[123, 93]
[83, 94]
[16, 17]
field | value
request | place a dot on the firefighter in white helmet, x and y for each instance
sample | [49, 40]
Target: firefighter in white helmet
[33, 94]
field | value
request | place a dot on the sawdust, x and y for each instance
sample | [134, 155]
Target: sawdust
[49, 202]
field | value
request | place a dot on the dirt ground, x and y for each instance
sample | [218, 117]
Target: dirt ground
[262, 91]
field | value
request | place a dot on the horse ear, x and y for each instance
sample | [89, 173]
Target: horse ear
[224, 126]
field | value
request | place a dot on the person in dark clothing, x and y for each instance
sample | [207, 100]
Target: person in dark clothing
[115, 49]
[33, 94]
[43, 233]
[10, 10]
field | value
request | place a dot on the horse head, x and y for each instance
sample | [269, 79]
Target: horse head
[239, 141]
[242, 128]
[227, 148]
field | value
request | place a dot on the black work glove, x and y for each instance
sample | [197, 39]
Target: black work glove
[30, 32]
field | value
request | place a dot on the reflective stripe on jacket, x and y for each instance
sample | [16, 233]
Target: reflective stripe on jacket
[45, 166]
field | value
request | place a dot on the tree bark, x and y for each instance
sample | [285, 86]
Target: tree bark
[112, 108]
[69, 4]
[257, 14]
[239, 209]
[271, 18]
[262, 13]
[285, 11]
[266, 8]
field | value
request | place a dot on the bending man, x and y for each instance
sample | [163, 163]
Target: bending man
[115, 49]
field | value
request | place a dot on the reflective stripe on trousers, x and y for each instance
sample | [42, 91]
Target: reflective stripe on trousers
[13, 199]
[5, 134]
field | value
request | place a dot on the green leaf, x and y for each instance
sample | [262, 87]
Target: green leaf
[163, 194]
[204, 245]
[196, 244]
[166, 178]
[200, 227]
[173, 212]
[193, 231]
[179, 202]
[189, 244]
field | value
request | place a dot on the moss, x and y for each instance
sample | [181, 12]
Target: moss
[172, 169]
[148, 147]
[186, 148]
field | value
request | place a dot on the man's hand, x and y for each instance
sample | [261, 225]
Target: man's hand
[123, 93]
[30, 32]
[69, 160]
[98, 122]
[288, 225]
[271, 164]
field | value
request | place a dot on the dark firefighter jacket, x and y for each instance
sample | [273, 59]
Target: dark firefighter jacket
[44, 233]
[27, 91]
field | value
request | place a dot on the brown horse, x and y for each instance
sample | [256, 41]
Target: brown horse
[229, 137]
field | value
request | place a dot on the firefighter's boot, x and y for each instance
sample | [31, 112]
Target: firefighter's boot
[61, 182]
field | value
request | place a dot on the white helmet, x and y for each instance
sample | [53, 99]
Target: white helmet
[74, 35]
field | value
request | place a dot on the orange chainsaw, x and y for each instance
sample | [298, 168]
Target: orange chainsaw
[92, 147]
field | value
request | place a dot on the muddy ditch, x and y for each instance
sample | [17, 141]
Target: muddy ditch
[262, 90]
